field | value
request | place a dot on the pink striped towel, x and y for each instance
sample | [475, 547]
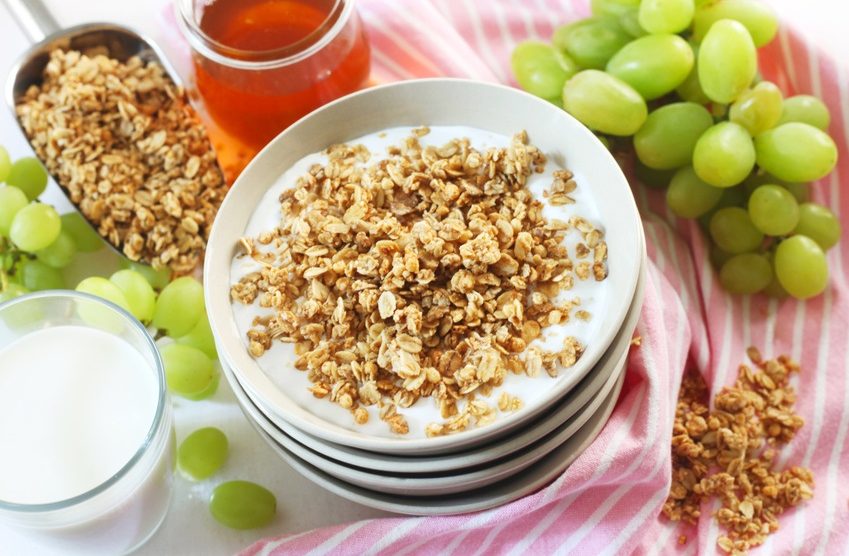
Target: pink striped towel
[609, 500]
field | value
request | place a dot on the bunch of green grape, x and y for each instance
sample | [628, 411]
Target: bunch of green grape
[680, 79]
[35, 242]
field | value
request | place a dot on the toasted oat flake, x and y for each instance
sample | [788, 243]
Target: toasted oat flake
[427, 274]
[730, 452]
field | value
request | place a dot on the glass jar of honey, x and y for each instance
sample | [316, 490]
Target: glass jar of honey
[260, 65]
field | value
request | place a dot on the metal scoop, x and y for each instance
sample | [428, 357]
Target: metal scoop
[41, 29]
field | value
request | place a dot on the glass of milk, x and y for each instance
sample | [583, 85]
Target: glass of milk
[86, 433]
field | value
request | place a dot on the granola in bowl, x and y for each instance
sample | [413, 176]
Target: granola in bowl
[421, 281]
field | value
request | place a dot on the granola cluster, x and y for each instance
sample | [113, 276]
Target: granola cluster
[729, 453]
[124, 142]
[425, 274]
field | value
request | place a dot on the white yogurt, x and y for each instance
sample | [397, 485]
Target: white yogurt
[278, 362]
[75, 405]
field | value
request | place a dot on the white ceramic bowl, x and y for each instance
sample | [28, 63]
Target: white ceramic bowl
[313, 450]
[502, 492]
[436, 483]
[495, 108]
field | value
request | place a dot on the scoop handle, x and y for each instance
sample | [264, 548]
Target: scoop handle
[33, 17]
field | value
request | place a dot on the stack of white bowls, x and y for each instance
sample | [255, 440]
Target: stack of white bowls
[477, 468]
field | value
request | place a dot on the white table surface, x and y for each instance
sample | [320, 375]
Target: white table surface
[189, 528]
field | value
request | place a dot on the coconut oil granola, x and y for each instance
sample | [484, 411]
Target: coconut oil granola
[425, 274]
[730, 453]
[124, 142]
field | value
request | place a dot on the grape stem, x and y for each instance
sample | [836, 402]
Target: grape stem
[9, 257]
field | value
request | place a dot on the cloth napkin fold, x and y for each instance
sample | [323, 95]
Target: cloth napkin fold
[609, 500]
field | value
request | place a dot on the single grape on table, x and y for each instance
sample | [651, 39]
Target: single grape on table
[202, 453]
[242, 505]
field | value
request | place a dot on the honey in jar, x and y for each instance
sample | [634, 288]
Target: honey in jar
[260, 65]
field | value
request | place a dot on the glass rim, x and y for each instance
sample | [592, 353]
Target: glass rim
[151, 433]
[261, 59]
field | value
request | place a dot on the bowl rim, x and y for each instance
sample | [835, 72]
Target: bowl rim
[220, 248]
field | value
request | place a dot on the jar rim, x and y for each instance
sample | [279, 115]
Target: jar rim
[150, 437]
[238, 58]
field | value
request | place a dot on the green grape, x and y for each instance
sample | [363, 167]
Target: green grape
[806, 109]
[800, 191]
[688, 196]
[604, 103]
[591, 42]
[5, 164]
[202, 453]
[34, 227]
[774, 288]
[188, 371]
[84, 236]
[796, 152]
[669, 136]
[731, 197]
[138, 293]
[727, 61]
[758, 109]
[12, 200]
[242, 505]
[690, 89]
[201, 338]
[28, 175]
[801, 267]
[819, 224]
[60, 253]
[756, 16]
[179, 306]
[666, 16]
[613, 7]
[96, 315]
[773, 210]
[733, 231]
[630, 22]
[651, 176]
[746, 273]
[541, 69]
[724, 155]
[718, 257]
[653, 65]
[37, 276]
[12, 291]
[209, 391]
[158, 278]
[101, 287]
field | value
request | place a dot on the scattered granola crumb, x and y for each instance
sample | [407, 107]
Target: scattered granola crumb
[427, 274]
[730, 452]
[637, 341]
[125, 143]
